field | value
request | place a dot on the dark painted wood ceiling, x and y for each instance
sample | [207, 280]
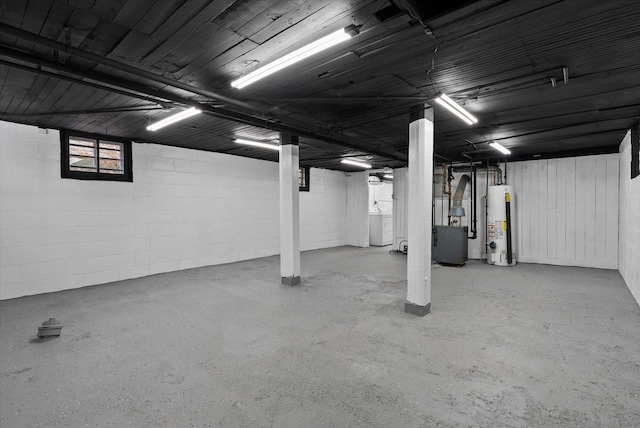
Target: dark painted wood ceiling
[114, 66]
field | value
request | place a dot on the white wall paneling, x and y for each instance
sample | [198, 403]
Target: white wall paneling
[629, 245]
[567, 210]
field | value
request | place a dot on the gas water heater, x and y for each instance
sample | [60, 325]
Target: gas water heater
[501, 236]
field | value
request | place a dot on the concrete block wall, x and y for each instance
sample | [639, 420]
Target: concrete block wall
[629, 239]
[184, 209]
[323, 210]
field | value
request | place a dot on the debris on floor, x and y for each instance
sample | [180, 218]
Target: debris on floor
[50, 328]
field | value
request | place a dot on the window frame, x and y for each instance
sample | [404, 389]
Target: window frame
[66, 171]
[306, 171]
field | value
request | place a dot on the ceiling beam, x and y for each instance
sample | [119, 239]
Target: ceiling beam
[137, 90]
[81, 112]
[78, 81]
[98, 59]
[251, 119]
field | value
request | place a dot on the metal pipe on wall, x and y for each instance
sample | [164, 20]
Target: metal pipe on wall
[471, 190]
[474, 209]
[507, 199]
[449, 178]
[433, 203]
[486, 215]
[505, 171]
[442, 195]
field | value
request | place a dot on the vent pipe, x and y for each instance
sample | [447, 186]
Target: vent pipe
[507, 199]
[456, 209]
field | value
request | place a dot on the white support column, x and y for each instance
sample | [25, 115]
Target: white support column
[289, 210]
[419, 211]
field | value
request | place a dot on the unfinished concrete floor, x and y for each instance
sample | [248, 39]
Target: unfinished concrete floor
[228, 345]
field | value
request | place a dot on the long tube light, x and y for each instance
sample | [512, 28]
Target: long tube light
[389, 176]
[356, 163]
[173, 119]
[500, 148]
[297, 55]
[257, 144]
[455, 108]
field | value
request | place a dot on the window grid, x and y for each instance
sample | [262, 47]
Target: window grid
[95, 158]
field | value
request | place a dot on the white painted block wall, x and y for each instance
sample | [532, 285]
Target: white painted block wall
[629, 245]
[323, 210]
[185, 208]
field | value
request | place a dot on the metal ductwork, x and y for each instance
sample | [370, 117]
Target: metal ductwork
[456, 209]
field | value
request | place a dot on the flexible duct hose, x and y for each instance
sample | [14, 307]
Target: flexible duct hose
[457, 197]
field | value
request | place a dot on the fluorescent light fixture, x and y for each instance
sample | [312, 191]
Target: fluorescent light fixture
[454, 108]
[389, 176]
[500, 148]
[257, 144]
[173, 119]
[295, 56]
[356, 163]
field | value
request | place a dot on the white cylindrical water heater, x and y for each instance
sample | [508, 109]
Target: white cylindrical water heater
[501, 230]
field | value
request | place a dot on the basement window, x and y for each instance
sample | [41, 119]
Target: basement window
[303, 179]
[95, 157]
